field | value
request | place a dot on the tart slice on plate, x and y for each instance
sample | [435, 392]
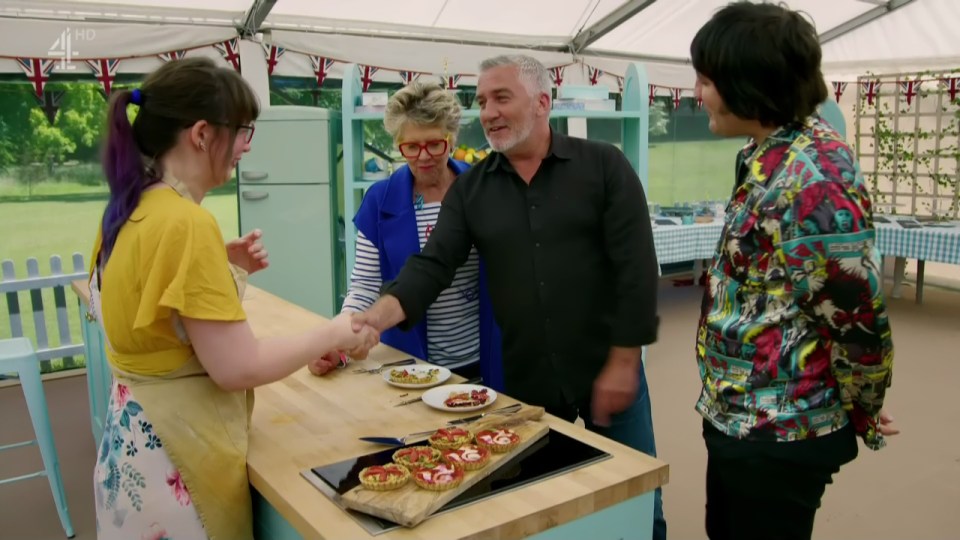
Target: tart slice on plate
[438, 476]
[498, 440]
[450, 438]
[469, 456]
[384, 477]
[416, 456]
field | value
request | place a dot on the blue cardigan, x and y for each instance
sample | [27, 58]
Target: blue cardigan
[387, 218]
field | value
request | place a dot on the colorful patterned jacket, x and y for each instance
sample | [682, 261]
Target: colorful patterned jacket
[793, 340]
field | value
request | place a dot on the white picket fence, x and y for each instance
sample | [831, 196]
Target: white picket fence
[33, 285]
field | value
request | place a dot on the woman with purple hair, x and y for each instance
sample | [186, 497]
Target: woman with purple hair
[167, 293]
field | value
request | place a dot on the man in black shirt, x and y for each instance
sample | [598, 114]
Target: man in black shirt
[562, 227]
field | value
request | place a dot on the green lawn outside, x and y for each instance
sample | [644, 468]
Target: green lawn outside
[61, 217]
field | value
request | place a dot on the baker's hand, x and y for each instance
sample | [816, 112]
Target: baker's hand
[616, 387]
[325, 364]
[360, 322]
[248, 252]
[886, 426]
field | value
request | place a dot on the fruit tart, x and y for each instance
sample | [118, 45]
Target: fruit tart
[384, 477]
[469, 456]
[499, 440]
[450, 438]
[438, 476]
[414, 377]
[416, 456]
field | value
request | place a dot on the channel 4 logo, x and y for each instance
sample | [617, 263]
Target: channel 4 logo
[63, 47]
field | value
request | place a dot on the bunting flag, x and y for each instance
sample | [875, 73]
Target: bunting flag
[870, 89]
[408, 77]
[653, 91]
[366, 75]
[50, 103]
[172, 55]
[619, 83]
[677, 97]
[838, 89]
[272, 54]
[37, 71]
[556, 75]
[105, 69]
[953, 86]
[466, 98]
[699, 102]
[909, 89]
[230, 50]
[321, 68]
[450, 82]
[594, 75]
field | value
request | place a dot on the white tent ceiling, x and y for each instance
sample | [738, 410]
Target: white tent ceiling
[452, 36]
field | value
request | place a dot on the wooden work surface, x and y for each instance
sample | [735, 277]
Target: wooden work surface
[305, 421]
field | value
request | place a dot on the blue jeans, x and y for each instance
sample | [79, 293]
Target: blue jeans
[632, 427]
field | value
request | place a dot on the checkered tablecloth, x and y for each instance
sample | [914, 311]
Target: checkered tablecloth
[932, 244]
[680, 243]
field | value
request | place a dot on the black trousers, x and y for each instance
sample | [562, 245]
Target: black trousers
[770, 490]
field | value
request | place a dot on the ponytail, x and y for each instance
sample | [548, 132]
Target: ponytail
[123, 167]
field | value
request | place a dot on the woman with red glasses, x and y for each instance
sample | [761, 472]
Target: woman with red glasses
[395, 219]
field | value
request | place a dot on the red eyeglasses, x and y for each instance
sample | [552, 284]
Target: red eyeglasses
[435, 148]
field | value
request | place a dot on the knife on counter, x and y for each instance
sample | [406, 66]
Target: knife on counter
[475, 380]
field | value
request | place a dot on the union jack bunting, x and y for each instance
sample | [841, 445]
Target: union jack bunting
[105, 70]
[556, 75]
[172, 55]
[653, 91]
[909, 90]
[37, 71]
[366, 75]
[450, 82]
[619, 83]
[230, 50]
[321, 68]
[677, 94]
[870, 89]
[594, 75]
[51, 104]
[409, 76]
[953, 86]
[273, 54]
[838, 89]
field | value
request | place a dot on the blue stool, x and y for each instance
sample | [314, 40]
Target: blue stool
[17, 356]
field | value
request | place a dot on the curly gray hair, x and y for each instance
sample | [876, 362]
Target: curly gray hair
[532, 72]
[423, 104]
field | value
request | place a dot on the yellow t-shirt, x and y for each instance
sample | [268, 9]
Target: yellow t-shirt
[169, 258]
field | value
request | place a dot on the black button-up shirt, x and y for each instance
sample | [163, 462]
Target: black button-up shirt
[569, 259]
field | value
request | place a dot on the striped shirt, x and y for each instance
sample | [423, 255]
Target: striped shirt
[453, 320]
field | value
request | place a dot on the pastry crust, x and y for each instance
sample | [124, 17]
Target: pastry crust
[469, 456]
[450, 438]
[438, 477]
[416, 456]
[499, 440]
[405, 376]
[384, 477]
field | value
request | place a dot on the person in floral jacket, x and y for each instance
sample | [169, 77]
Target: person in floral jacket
[794, 346]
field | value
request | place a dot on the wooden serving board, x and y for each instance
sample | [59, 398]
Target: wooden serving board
[410, 505]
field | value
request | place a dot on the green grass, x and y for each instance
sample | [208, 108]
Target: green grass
[60, 217]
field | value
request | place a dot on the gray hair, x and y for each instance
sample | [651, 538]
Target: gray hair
[423, 104]
[532, 72]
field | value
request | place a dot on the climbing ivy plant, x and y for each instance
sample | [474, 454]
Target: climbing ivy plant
[910, 151]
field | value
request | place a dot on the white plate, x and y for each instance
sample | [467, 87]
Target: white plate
[435, 397]
[442, 375]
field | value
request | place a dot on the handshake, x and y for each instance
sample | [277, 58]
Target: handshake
[350, 335]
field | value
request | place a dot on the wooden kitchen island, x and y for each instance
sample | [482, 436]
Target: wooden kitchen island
[305, 421]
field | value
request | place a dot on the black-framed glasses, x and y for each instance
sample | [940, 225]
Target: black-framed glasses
[246, 132]
[434, 148]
